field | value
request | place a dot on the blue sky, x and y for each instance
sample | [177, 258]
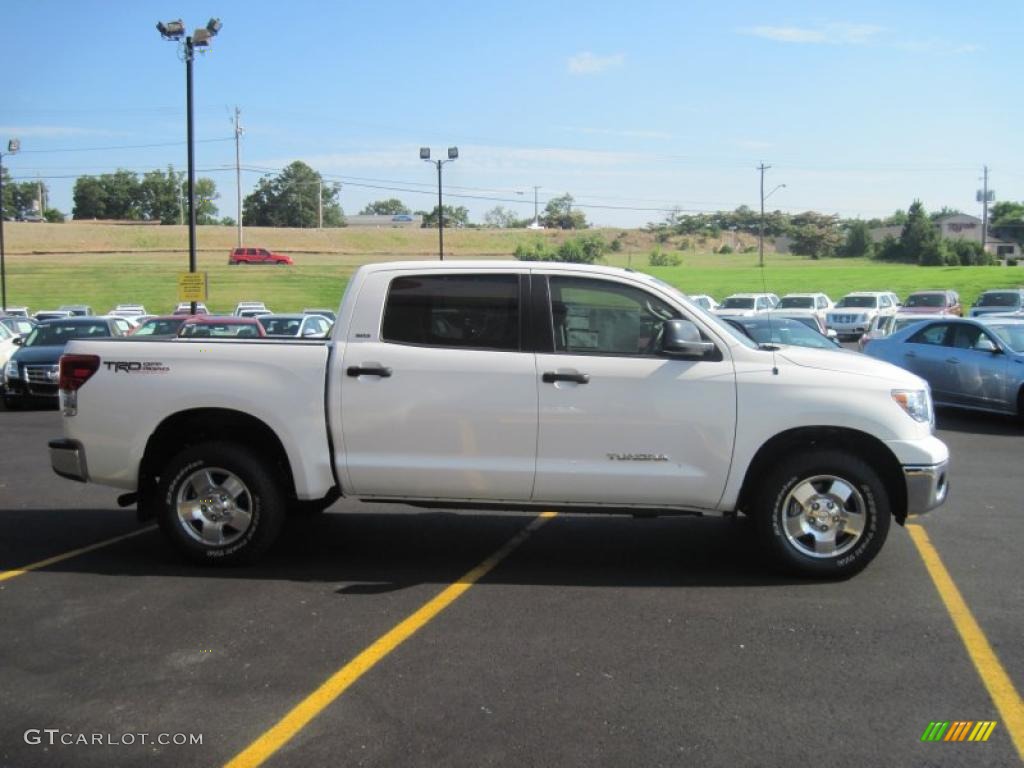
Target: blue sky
[631, 107]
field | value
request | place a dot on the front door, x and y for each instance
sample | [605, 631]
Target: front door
[619, 422]
[438, 400]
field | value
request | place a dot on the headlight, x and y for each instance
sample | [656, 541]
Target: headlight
[11, 369]
[916, 402]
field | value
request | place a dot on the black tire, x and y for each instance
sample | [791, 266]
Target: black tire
[829, 474]
[12, 404]
[261, 501]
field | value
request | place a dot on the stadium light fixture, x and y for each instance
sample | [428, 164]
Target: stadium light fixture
[453, 154]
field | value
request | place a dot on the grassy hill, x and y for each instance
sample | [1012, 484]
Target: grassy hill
[103, 265]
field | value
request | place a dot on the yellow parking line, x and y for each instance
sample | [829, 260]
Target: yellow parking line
[300, 716]
[5, 575]
[993, 675]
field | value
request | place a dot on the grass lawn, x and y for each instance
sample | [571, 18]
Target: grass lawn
[100, 265]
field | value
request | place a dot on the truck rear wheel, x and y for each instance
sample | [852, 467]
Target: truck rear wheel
[220, 503]
[824, 514]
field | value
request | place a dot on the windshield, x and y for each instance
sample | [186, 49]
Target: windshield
[281, 326]
[999, 299]
[781, 331]
[159, 328]
[1012, 335]
[738, 302]
[926, 300]
[796, 302]
[57, 334]
[857, 301]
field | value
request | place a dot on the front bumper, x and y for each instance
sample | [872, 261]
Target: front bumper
[67, 457]
[927, 487]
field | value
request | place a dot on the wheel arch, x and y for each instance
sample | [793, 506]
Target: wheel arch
[184, 429]
[867, 447]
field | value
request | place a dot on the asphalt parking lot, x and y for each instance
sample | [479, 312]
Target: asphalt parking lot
[605, 641]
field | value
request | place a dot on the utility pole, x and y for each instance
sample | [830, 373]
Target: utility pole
[238, 172]
[760, 230]
[320, 204]
[984, 209]
[39, 196]
[536, 214]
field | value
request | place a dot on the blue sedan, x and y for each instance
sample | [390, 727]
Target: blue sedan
[976, 363]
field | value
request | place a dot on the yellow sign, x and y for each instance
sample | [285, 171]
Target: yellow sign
[192, 286]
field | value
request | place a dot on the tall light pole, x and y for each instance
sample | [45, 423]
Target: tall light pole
[760, 232]
[238, 171]
[12, 148]
[453, 154]
[174, 31]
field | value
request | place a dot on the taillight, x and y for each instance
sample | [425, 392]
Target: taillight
[75, 370]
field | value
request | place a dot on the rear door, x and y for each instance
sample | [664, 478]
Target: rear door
[619, 423]
[438, 391]
[925, 353]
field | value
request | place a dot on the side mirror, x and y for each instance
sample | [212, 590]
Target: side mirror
[986, 345]
[18, 341]
[831, 333]
[681, 338]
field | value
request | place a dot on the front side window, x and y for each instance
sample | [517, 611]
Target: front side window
[470, 311]
[933, 334]
[599, 317]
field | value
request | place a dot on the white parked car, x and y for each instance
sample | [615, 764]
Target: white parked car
[7, 345]
[185, 308]
[853, 314]
[746, 304]
[243, 305]
[806, 304]
[886, 325]
[500, 384]
[704, 301]
[127, 310]
[18, 311]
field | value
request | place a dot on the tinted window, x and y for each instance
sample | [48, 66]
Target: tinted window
[857, 301]
[738, 302]
[476, 311]
[999, 299]
[602, 317]
[56, 333]
[281, 326]
[926, 300]
[933, 334]
[965, 336]
[159, 328]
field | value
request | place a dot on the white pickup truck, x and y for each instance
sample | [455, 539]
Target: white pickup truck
[505, 385]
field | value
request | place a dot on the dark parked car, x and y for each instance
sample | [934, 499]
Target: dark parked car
[998, 301]
[977, 364]
[763, 329]
[31, 373]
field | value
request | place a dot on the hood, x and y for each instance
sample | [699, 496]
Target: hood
[844, 361]
[38, 355]
[735, 312]
[905, 310]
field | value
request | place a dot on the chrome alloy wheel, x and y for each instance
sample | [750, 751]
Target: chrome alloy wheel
[214, 507]
[824, 516]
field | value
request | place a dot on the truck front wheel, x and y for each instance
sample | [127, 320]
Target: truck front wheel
[220, 503]
[824, 514]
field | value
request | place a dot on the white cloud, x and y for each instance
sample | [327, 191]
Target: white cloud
[839, 33]
[587, 63]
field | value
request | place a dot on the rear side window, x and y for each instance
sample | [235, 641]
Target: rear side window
[472, 311]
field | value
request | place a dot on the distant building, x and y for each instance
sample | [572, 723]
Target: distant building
[404, 220]
[958, 226]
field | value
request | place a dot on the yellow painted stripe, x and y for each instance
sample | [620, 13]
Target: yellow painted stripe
[998, 684]
[982, 724]
[5, 575]
[300, 716]
[988, 731]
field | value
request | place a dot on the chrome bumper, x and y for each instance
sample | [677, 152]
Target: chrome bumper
[926, 487]
[67, 457]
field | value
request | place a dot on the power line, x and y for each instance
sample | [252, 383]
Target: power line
[121, 146]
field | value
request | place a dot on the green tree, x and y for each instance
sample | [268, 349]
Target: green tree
[390, 207]
[290, 200]
[501, 217]
[858, 240]
[815, 234]
[889, 250]
[920, 240]
[90, 198]
[454, 217]
[1006, 221]
[160, 196]
[558, 214]
[206, 193]
[53, 216]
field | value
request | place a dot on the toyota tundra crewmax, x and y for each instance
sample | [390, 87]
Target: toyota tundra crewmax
[505, 385]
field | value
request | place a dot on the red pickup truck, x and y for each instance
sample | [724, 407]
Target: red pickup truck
[257, 256]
